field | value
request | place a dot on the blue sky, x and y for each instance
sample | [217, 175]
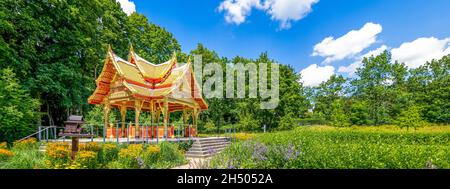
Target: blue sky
[403, 25]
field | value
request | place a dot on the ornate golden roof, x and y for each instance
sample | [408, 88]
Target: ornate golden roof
[153, 73]
[145, 80]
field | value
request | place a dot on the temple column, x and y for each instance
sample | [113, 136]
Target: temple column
[185, 120]
[137, 109]
[152, 117]
[123, 114]
[194, 119]
[165, 111]
[157, 116]
[106, 110]
[184, 116]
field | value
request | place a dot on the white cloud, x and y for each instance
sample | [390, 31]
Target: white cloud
[287, 11]
[313, 75]
[421, 50]
[238, 10]
[284, 11]
[127, 6]
[351, 69]
[349, 44]
[375, 52]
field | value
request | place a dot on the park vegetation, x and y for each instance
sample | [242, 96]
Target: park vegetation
[52, 51]
[27, 154]
[326, 147]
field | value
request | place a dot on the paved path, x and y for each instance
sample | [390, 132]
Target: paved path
[195, 163]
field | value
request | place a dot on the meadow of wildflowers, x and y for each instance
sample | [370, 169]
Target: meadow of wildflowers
[329, 148]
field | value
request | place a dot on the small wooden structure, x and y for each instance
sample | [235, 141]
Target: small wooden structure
[73, 129]
[140, 85]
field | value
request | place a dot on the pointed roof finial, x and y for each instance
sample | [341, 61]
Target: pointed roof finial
[189, 59]
[174, 54]
[131, 47]
[109, 48]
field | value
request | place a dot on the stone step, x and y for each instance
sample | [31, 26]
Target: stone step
[207, 147]
[211, 139]
[201, 155]
[205, 152]
[209, 144]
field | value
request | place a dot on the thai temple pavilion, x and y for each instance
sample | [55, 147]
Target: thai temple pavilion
[140, 85]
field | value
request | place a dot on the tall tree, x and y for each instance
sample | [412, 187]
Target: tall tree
[375, 84]
[327, 93]
[152, 42]
[18, 110]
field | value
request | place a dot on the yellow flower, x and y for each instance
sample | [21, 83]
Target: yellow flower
[58, 150]
[153, 149]
[109, 147]
[3, 145]
[5, 154]
[27, 143]
[90, 146]
[244, 136]
[132, 151]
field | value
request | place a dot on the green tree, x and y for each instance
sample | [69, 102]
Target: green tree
[380, 84]
[18, 109]
[150, 41]
[429, 88]
[338, 117]
[327, 93]
[359, 113]
[410, 118]
[288, 121]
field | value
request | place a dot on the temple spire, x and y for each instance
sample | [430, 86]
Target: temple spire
[109, 48]
[131, 55]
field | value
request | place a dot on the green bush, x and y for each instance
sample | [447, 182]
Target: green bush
[410, 118]
[288, 121]
[169, 156]
[25, 157]
[110, 152]
[5, 154]
[184, 146]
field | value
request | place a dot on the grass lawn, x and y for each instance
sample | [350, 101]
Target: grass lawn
[326, 147]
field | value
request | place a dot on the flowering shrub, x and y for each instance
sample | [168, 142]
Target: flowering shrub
[110, 152]
[58, 155]
[243, 136]
[151, 156]
[252, 154]
[3, 145]
[90, 146]
[169, 156]
[86, 160]
[5, 154]
[25, 144]
[130, 157]
[153, 149]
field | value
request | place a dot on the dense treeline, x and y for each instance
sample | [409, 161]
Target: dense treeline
[52, 51]
[383, 92]
[55, 50]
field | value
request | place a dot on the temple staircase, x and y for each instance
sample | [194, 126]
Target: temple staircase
[207, 147]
